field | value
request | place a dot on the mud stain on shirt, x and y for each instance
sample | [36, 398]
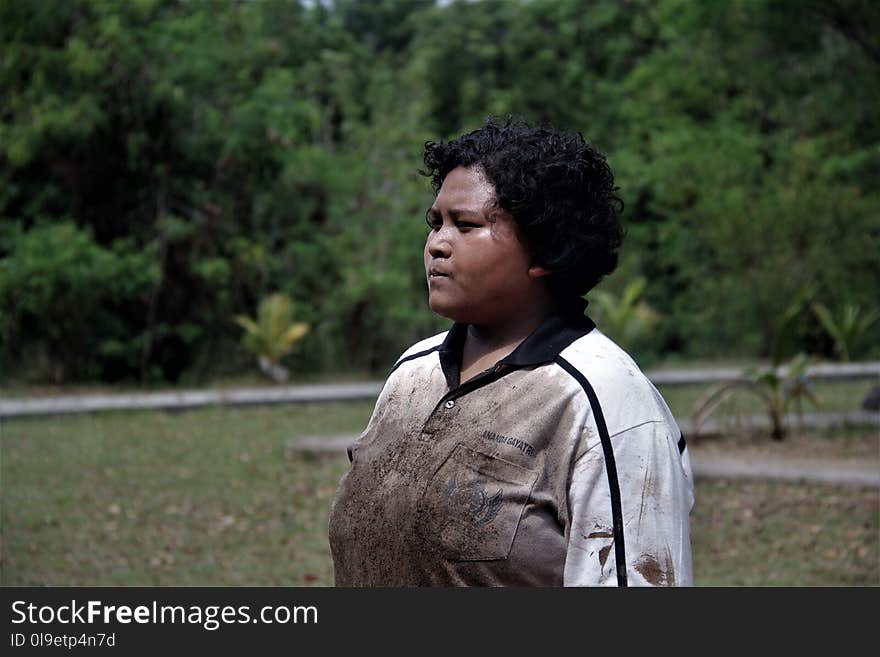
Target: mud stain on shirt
[602, 534]
[648, 566]
[603, 555]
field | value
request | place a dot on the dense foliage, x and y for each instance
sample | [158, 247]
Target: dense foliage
[165, 165]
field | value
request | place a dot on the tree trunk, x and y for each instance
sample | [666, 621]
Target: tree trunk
[278, 373]
[778, 431]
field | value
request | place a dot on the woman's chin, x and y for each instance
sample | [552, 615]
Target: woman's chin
[446, 309]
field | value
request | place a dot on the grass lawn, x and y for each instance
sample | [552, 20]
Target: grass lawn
[211, 497]
[150, 498]
[760, 533]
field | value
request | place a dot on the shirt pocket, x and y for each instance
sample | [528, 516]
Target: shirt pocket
[472, 506]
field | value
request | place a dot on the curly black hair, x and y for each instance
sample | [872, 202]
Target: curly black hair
[557, 187]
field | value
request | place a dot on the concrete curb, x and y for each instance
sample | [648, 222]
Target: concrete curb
[367, 391]
[66, 404]
[841, 473]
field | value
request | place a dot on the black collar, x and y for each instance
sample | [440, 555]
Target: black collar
[541, 346]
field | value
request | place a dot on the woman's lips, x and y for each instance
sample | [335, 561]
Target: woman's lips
[437, 279]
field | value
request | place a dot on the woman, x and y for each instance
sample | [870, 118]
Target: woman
[522, 447]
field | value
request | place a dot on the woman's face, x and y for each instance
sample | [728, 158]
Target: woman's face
[479, 271]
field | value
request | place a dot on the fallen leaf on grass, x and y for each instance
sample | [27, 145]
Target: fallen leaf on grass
[226, 522]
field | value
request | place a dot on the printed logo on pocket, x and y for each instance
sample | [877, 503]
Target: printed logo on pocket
[471, 501]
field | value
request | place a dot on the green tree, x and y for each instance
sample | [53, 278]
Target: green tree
[242, 148]
[63, 302]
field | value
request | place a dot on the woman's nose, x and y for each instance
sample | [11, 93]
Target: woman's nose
[438, 244]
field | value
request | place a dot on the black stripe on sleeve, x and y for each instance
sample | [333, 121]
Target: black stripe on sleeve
[413, 357]
[682, 443]
[610, 468]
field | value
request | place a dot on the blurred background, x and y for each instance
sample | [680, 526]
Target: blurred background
[211, 194]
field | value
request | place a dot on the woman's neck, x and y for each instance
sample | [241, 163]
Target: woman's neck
[486, 344]
[504, 335]
[513, 329]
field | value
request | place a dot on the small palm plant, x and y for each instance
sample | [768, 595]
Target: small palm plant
[625, 318]
[846, 329]
[777, 386]
[272, 334]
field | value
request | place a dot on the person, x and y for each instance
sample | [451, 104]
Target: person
[522, 447]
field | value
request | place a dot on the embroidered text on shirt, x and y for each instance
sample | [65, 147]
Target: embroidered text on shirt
[521, 445]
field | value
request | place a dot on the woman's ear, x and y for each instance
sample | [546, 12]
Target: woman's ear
[536, 271]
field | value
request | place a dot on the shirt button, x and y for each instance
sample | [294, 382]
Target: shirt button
[449, 404]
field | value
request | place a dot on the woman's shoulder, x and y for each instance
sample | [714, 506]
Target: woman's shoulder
[598, 354]
[621, 387]
[421, 348]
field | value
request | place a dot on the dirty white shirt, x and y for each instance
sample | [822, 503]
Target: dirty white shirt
[561, 465]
